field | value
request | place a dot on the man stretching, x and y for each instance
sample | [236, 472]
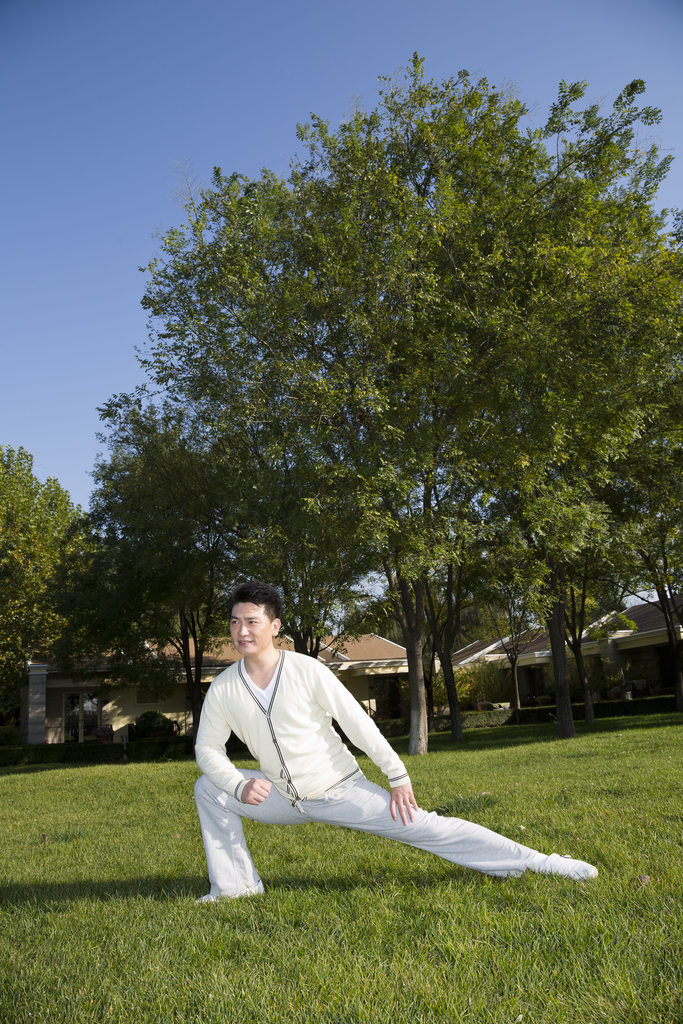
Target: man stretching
[282, 706]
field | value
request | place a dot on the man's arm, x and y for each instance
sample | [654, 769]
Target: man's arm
[362, 731]
[213, 733]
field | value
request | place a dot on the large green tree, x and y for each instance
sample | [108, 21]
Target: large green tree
[35, 518]
[323, 299]
[434, 302]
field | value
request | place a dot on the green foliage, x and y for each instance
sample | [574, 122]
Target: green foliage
[483, 681]
[152, 722]
[645, 492]
[9, 736]
[35, 520]
[439, 691]
[601, 630]
[146, 592]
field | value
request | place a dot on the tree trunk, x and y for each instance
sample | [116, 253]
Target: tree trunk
[417, 743]
[453, 706]
[196, 697]
[514, 664]
[409, 608]
[304, 641]
[574, 625]
[674, 643]
[429, 690]
[587, 696]
[192, 678]
[556, 627]
[445, 650]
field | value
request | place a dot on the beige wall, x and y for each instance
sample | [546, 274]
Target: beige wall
[54, 715]
[124, 708]
[121, 708]
[357, 685]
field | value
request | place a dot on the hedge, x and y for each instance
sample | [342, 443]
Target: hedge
[537, 715]
[173, 747]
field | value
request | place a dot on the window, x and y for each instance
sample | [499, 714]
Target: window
[81, 716]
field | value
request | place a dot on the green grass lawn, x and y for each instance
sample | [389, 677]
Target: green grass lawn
[101, 867]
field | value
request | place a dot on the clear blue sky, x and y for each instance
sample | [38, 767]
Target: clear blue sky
[101, 98]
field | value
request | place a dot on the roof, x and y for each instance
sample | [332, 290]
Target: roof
[368, 647]
[494, 647]
[648, 618]
[474, 650]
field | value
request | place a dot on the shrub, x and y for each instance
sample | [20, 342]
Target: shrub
[483, 681]
[9, 736]
[152, 723]
[170, 748]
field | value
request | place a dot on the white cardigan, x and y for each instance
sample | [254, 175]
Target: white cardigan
[293, 740]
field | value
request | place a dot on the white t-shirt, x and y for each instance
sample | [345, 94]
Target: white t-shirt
[264, 696]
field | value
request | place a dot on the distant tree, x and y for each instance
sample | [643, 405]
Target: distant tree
[591, 595]
[449, 592]
[146, 592]
[645, 493]
[515, 598]
[35, 518]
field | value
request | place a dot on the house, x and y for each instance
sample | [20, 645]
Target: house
[639, 659]
[57, 709]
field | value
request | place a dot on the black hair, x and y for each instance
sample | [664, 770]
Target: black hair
[254, 592]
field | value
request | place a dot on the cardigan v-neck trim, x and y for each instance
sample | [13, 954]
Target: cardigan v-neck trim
[251, 686]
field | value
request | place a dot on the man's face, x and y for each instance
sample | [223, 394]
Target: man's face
[251, 629]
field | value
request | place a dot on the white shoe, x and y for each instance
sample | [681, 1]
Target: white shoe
[564, 865]
[214, 897]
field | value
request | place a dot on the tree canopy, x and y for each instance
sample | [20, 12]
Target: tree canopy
[438, 313]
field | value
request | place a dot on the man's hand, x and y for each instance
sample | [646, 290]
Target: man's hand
[402, 799]
[256, 791]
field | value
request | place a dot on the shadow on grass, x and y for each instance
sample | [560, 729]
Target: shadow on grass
[58, 895]
[503, 736]
[150, 887]
[30, 769]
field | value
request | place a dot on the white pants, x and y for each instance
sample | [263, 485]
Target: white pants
[359, 805]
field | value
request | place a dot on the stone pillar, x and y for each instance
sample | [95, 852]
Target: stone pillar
[33, 705]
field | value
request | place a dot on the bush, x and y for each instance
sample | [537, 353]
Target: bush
[537, 716]
[172, 748]
[152, 723]
[9, 736]
[483, 681]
